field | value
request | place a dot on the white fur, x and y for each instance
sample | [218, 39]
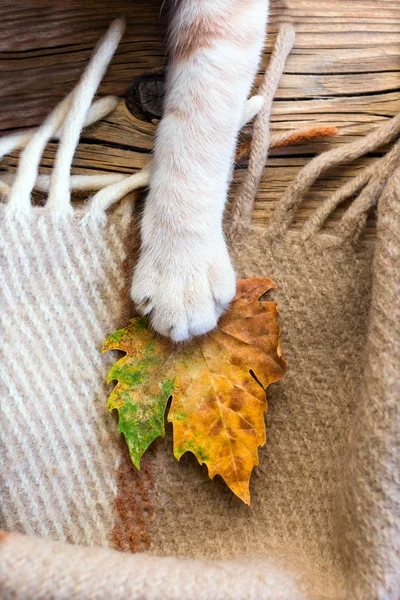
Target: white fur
[184, 279]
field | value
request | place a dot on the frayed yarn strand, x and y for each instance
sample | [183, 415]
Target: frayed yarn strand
[369, 184]
[345, 192]
[292, 198]
[99, 109]
[243, 203]
[65, 121]
[353, 221]
[19, 199]
[108, 196]
[77, 183]
[59, 192]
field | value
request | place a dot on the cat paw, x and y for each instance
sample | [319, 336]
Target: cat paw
[183, 290]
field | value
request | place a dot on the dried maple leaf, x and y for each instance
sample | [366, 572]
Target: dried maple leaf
[217, 383]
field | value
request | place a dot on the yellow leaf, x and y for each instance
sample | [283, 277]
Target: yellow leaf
[217, 384]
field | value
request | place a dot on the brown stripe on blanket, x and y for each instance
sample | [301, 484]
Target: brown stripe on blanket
[132, 506]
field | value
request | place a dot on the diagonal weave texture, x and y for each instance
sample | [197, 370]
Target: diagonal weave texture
[63, 288]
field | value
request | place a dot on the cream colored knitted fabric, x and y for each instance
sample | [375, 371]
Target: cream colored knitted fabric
[62, 292]
[64, 572]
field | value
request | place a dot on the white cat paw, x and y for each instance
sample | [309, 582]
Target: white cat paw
[183, 287]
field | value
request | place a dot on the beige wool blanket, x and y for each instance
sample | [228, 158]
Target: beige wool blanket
[80, 522]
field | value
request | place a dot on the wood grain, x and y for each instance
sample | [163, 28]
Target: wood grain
[344, 71]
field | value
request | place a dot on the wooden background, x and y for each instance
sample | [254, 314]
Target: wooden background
[343, 71]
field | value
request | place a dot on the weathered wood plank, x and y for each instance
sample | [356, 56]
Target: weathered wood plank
[343, 71]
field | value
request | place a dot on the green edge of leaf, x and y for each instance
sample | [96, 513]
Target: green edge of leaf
[140, 423]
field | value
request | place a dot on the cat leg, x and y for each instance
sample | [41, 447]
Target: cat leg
[184, 279]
